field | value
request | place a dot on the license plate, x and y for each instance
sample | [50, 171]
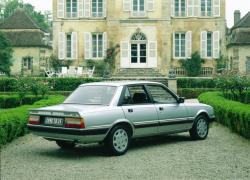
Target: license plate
[53, 121]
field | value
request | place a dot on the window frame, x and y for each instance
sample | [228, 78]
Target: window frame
[179, 12]
[138, 12]
[180, 45]
[97, 9]
[121, 100]
[29, 63]
[206, 8]
[164, 88]
[211, 46]
[71, 13]
[97, 34]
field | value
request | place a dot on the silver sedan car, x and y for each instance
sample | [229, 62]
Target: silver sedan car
[114, 113]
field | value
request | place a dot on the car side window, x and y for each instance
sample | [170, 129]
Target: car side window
[160, 94]
[135, 95]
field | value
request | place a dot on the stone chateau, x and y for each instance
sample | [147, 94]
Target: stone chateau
[153, 34]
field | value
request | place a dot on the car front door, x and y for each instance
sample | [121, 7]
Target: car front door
[140, 110]
[172, 115]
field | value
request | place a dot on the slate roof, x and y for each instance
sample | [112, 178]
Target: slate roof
[19, 20]
[244, 22]
[240, 32]
[22, 31]
[25, 38]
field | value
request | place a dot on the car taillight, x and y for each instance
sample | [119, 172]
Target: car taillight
[74, 123]
[34, 119]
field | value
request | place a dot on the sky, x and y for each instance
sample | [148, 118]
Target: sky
[231, 5]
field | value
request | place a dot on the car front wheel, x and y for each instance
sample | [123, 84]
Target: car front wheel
[200, 128]
[65, 144]
[118, 140]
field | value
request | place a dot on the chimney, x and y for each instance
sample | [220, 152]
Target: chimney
[237, 17]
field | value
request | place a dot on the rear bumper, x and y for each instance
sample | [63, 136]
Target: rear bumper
[69, 134]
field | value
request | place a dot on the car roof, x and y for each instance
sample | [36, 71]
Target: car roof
[119, 83]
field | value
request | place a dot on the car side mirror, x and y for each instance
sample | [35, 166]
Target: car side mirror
[181, 100]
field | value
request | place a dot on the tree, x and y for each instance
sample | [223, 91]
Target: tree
[5, 54]
[193, 66]
[38, 17]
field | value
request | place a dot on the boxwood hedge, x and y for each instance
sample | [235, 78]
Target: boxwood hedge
[232, 114]
[13, 121]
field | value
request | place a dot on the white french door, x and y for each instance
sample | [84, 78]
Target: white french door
[138, 55]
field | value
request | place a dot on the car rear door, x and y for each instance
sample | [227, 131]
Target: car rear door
[139, 110]
[172, 115]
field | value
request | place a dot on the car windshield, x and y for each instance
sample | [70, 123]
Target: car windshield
[92, 95]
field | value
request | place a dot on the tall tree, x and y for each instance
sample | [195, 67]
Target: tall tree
[5, 54]
[38, 17]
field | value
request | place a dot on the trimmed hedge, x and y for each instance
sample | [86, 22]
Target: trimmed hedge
[56, 84]
[196, 83]
[13, 121]
[232, 114]
[12, 101]
[191, 93]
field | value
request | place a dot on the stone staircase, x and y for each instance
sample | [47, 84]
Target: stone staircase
[139, 72]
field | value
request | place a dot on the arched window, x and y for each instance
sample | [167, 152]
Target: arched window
[138, 48]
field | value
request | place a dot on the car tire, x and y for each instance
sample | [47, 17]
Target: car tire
[200, 128]
[118, 141]
[65, 144]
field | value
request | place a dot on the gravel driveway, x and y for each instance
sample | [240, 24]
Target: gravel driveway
[223, 155]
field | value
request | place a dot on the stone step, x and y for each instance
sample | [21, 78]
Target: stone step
[137, 72]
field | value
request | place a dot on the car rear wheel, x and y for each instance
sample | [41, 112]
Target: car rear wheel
[118, 140]
[65, 144]
[200, 128]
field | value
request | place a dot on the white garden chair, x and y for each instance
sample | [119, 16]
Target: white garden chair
[64, 72]
[79, 71]
[91, 72]
[72, 71]
[50, 73]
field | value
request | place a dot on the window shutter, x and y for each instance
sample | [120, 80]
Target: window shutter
[87, 45]
[74, 45]
[80, 8]
[150, 5]
[188, 44]
[60, 8]
[173, 45]
[216, 8]
[105, 44]
[104, 8]
[61, 45]
[172, 8]
[125, 54]
[203, 44]
[152, 54]
[190, 8]
[216, 44]
[197, 8]
[86, 6]
[126, 5]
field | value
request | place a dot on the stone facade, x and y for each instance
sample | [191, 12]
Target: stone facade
[238, 44]
[151, 33]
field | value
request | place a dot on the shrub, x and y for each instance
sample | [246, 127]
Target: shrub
[232, 114]
[191, 93]
[196, 83]
[234, 87]
[55, 84]
[13, 121]
[193, 65]
[12, 101]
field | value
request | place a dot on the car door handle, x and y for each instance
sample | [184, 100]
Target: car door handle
[161, 108]
[130, 110]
